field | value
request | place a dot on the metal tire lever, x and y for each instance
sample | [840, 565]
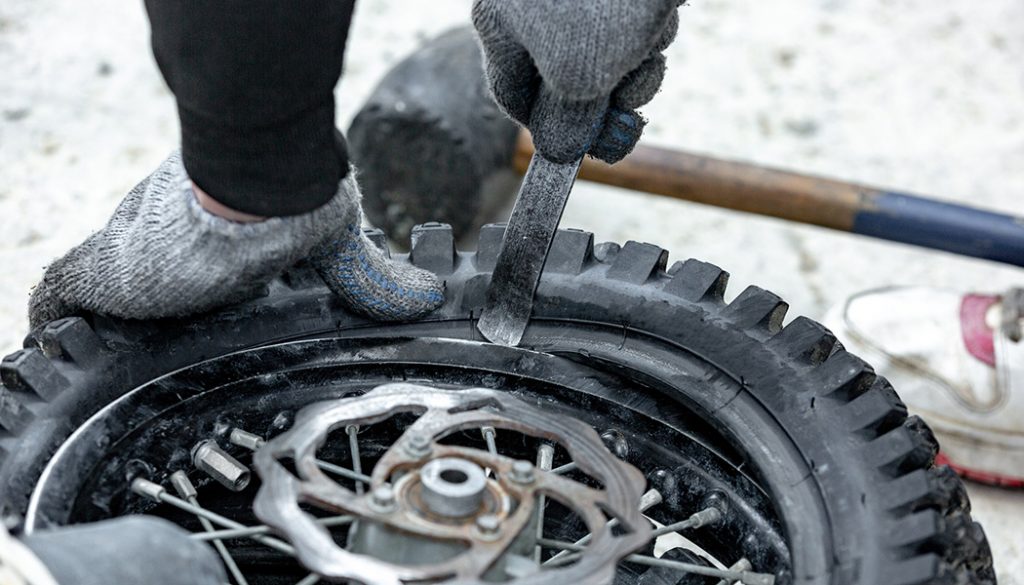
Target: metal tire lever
[528, 238]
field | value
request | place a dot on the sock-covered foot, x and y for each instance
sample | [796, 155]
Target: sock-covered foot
[370, 283]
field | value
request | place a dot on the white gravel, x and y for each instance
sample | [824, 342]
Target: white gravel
[910, 94]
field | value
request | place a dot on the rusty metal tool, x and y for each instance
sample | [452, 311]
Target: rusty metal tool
[528, 238]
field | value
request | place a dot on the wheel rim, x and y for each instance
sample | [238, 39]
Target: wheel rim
[150, 431]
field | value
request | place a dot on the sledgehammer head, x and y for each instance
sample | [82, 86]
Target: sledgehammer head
[431, 145]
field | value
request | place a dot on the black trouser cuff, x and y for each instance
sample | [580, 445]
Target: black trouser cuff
[288, 168]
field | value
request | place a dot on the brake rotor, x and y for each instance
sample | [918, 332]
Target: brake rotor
[436, 513]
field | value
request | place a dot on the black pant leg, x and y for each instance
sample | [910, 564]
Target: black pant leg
[254, 82]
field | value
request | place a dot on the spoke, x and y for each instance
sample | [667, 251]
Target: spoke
[253, 442]
[492, 446]
[310, 579]
[745, 577]
[186, 490]
[649, 500]
[740, 565]
[563, 469]
[488, 433]
[353, 444]
[157, 492]
[249, 532]
[706, 516]
[545, 459]
[359, 478]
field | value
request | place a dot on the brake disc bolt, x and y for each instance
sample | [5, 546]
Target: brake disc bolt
[209, 458]
[488, 525]
[522, 472]
[246, 440]
[418, 446]
[383, 499]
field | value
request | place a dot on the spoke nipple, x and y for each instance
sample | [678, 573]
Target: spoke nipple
[545, 457]
[650, 499]
[522, 472]
[418, 446]
[351, 429]
[705, 517]
[383, 499]
[616, 442]
[749, 578]
[209, 458]
[488, 525]
[148, 489]
[181, 484]
[487, 432]
[742, 566]
[246, 440]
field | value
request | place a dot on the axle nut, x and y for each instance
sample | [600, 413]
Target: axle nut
[453, 488]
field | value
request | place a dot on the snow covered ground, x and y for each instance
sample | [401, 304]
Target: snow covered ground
[911, 94]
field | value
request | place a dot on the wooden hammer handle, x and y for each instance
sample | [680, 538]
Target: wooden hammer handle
[837, 205]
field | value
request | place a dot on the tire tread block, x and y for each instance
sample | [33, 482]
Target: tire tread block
[433, 248]
[878, 409]
[698, 282]
[845, 376]
[637, 263]
[71, 339]
[570, 252]
[805, 341]
[756, 308]
[29, 371]
[906, 448]
[489, 246]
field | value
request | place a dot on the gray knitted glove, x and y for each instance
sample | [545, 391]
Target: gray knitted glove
[358, 272]
[575, 71]
[162, 255]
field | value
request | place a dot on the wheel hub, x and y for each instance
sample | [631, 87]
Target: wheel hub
[431, 513]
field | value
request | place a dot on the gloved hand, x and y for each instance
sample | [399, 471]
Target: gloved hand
[162, 255]
[575, 71]
[129, 550]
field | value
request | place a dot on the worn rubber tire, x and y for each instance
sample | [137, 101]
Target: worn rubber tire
[893, 517]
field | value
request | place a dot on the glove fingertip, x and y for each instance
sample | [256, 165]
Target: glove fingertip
[619, 136]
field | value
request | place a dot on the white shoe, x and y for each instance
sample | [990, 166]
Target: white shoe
[957, 361]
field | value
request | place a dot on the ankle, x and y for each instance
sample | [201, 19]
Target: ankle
[214, 207]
